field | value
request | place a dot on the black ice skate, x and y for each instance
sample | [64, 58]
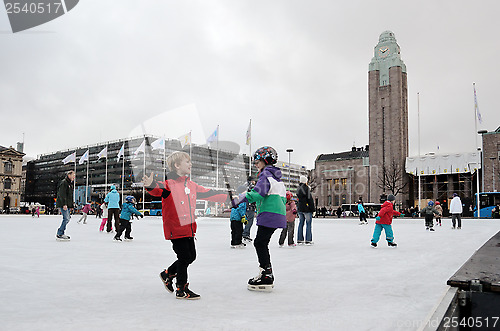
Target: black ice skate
[392, 244]
[374, 245]
[62, 237]
[183, 292]
[247, 239]
[167, 280]
[117, 239]
[263, 282]
[129, 238]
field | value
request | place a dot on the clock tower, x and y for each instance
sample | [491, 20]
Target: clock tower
[388, 116]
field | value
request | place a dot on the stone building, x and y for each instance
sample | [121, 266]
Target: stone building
[341, 178]
[388, 115]
[11, 162]
[491, 158]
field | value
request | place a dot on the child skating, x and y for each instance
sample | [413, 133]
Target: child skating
[178, 196]
[384, 221]
[237, 218]
[269, 194]
[104, 213]
[440, 213]
[291, 214]
[128, 210]
[429, 212]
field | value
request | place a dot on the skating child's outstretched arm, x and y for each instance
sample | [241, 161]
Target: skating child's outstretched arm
[155, 189]
[209, 194]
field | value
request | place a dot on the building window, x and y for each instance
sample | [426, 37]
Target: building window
[337, 200]
[329, 200]
[7, 184]
[329, 181]
[344, 183]
[336, 183]
[9, 167]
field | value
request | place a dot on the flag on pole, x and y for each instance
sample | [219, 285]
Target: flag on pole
[121, 152]
[141, 149]
[249, 133]
[70, 158]
[103, 153]
[185, 139]
[158, 144]
[84, 157]
[476, 107]
[213, 136]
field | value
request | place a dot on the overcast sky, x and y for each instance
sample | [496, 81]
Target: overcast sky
[298, 69]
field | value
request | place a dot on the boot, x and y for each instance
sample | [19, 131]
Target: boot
[167, 280]
[183, 292]
[264, 280]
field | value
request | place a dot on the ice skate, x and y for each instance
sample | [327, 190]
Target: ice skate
[62, 237]
[392, 244]
[129, 238]
[292, 246]
[167, 280]
[431, 229]
[309, 243]
[183, 292]
[300, 242]
[373, 245]
[117, 239]
[247, 239]
[242, 245]
[264, 282]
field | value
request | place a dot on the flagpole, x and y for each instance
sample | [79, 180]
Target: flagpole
[217, 171]
[106, 176]
[123, 169]
[190, 144]
[419, 171]
[87, 181]
[478, 207]
[144, 172]
[164, 157]
[74, 185]
[250, 164]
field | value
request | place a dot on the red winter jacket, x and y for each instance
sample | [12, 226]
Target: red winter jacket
[178, 204]
[386, 213]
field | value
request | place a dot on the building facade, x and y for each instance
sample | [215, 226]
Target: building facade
[341, 178]
[11, 162]
[491, 158]
[388, 116]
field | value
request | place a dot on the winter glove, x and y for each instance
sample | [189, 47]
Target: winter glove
[377, 218]
[244, 220]
[402, 215]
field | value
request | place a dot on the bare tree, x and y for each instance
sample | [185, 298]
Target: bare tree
[392, 178]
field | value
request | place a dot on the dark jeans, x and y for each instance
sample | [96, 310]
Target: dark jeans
[454, 218]
[124, 226]
[250, 216]
[290, 229]
[186, 254]
[362, 217]
[261, 244]
[116, 213]
[429, 220]
[236, 232]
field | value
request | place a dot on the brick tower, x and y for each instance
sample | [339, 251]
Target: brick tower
[388, 114]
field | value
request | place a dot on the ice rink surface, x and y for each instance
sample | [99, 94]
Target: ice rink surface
[339, 283]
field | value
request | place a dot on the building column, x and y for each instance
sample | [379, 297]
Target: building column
[435, 189]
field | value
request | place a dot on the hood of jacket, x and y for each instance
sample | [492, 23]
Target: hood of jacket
[272, 171]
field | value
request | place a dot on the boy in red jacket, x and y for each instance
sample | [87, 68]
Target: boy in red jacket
[178, 195]
[384, 221]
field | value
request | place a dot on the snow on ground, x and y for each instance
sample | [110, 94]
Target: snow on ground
[340, 283]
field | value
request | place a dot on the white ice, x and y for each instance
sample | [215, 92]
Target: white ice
[339, 283]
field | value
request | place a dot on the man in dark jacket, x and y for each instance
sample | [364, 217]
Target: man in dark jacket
[65, 202]
[305, 209]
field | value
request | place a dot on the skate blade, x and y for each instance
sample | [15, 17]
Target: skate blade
[61, 239]
[260, 288]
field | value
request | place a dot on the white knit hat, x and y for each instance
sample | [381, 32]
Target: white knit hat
[303, 179]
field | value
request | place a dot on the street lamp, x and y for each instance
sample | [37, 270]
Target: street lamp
[481, 160]
[289, 151]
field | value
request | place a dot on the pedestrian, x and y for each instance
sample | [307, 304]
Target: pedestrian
[270, 195]
[305, 209]
[339, 212]
[291, 214]
[429, 212]
[104, 212]
[250, 215]
[113, 202]
[440, 213]
[384, 221]
[125, 223]
[456, 210]
[237, 218]
[33, 212]
[362, 213]
[38, 211]
[85, 211]
[178, 195]
[64, 202]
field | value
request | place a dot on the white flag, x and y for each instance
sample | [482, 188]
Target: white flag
[84, 157]
[141, 149]
[249, 133]
[103, 153]
[158, 144]
[214, 136]
[69, 158]
[121, 152]
[185, 139]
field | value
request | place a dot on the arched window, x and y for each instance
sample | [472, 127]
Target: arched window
[7, 184]
[9, 167]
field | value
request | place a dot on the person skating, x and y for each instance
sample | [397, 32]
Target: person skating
[64, 202]
[104, 212]
[362, 213]
[456, 210]
[384, 221]
[305, 209]
[429, 212]
[178, 195]
[85, 211]
[440, 213]
[291, 214]
[237, 218]
[128, 210]
[112, 200]
[269, 195]
[250, 215]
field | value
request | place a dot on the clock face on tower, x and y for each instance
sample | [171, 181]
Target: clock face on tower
[383, 51]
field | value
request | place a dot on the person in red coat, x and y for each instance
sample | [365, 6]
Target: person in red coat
[384, 221]
[178, 195]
